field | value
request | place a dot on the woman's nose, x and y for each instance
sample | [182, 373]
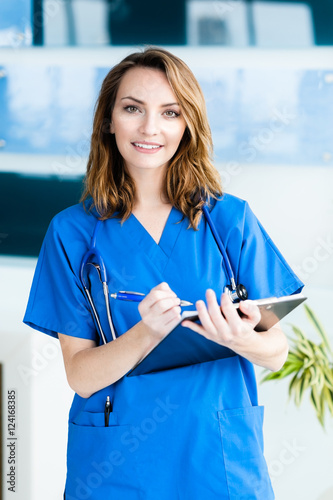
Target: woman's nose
[149, 125]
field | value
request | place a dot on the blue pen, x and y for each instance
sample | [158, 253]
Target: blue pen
[137, 297]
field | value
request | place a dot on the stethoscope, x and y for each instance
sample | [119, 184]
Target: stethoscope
[94, 253]
[94, 258]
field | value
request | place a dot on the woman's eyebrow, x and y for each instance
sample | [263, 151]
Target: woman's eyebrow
[142, 102]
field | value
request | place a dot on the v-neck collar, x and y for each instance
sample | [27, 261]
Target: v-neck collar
[159, 252]
[166, 222]
[171, 231]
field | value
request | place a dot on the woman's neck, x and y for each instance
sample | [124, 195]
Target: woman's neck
[149, 189]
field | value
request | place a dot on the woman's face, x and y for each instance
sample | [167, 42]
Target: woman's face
[146, 120]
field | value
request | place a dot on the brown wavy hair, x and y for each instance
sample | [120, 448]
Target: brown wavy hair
[191, 175]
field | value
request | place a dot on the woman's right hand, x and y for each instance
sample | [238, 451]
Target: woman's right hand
[90, 368]
[160, 310]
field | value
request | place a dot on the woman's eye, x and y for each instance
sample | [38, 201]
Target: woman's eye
[171, 114]
[131, 109]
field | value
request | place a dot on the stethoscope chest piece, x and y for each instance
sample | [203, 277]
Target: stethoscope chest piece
[238, 293]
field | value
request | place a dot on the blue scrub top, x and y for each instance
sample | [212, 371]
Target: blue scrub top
[188, 260]
[202, 421]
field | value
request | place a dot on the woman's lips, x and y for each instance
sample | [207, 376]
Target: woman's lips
[147, 147]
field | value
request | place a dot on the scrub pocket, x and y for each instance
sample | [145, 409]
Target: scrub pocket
[242, 447]
[100, 462]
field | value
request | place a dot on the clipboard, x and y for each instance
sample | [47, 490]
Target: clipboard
[273, 309]
[184, 347]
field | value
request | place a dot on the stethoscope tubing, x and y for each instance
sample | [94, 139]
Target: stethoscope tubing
[221, 246]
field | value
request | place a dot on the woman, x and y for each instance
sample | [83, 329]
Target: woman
[190, 432]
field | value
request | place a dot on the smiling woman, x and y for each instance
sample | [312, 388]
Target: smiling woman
[149, 174]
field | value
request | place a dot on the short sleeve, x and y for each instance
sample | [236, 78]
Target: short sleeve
[262, 268]
[57, 302]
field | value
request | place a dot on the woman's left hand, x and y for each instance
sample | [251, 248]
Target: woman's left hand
[222, 323]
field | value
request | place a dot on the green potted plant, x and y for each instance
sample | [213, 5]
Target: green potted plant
[311, 367]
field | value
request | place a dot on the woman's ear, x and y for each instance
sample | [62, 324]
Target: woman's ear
[111, 128]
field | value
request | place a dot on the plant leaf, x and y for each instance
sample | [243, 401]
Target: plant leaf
[293, 356]
[296, 391]
[304, 384]
[298, 332]
[292, 384]
[289, 368]
[328, 375]
[323, 354]
[314, 375]
[318, 327]
[304, 346]
[329, 399]
[308, 362]
[320, 382]
[272, 376]
[315, 399]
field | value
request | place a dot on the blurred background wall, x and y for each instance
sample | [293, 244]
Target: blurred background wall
[266, 69]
